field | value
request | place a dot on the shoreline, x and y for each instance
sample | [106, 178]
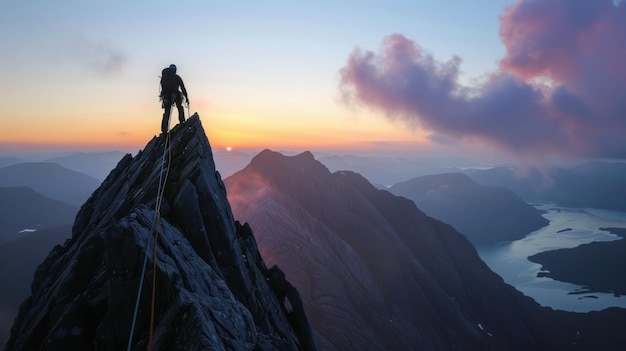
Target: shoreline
[598, 267]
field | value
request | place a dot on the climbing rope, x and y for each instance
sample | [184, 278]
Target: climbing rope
[154, 227]
[156, 236]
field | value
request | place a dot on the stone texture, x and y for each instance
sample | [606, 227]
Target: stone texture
[212, 287]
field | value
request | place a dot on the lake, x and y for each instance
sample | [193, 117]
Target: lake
[569, 227]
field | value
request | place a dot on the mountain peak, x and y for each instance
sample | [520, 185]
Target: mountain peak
[282, 169]
[273, 157]
[212, 288]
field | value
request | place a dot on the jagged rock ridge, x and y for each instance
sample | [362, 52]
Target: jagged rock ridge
[213, 290]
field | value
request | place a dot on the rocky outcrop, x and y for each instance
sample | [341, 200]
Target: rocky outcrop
[376, 273]
[212, 289]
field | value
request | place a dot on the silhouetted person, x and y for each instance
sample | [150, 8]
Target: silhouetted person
[170, 94]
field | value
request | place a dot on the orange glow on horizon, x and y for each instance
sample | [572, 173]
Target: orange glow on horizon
[248, 130]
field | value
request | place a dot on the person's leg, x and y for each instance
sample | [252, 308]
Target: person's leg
[181, 110]
[165, 124]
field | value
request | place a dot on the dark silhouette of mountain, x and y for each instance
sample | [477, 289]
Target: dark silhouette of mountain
[594, 184]
[597, 266]
[24, 208]
[375, 273]
[390, 170]
[213, 290]
[51, 180]
[481, 213]
[18, 262]
[8, 161]
[94, 164]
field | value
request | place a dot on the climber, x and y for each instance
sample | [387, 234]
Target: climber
[170, 82]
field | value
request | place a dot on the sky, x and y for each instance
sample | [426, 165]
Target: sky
[531, 79]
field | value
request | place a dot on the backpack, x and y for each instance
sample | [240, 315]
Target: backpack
[169, 82]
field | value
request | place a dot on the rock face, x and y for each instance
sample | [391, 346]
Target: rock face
[376, 273]
[213, 290]
[481, 213]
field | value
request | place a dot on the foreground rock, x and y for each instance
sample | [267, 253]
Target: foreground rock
[213, 291]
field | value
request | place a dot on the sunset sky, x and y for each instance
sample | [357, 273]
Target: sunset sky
[528, 78]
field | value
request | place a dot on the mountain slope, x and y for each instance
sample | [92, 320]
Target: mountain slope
[213, 291]
[95, 164]
[23, 208]
[390, 170]
[376, 273]
[479, 212]
[18, 262]
[8, 161]
[50, 180]
[593, 184]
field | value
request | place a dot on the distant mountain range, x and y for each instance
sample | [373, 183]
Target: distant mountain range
[24, 208]
[51, 180]
[482, 213]
[375, 272]
[8, 161]
[592, 185]
[94, 164]
[390, 170]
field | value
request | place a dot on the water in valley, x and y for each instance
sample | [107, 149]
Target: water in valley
[568, 228]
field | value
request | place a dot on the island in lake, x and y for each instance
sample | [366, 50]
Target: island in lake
[597, 266]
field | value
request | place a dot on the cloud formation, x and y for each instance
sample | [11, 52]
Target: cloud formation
[99, 58]
[560, 89]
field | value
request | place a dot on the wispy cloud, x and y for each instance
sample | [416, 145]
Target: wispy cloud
[560, 89]
[98, 57]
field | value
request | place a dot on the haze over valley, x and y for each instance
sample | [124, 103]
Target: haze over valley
[494, 217]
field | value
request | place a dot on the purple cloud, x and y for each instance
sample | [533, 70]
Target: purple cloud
[561, 88]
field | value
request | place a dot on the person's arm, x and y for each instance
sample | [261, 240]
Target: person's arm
[182, 87]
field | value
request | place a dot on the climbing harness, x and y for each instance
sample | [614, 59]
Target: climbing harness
[154, 228]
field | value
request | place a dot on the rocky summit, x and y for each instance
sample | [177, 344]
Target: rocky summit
[204, 278]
